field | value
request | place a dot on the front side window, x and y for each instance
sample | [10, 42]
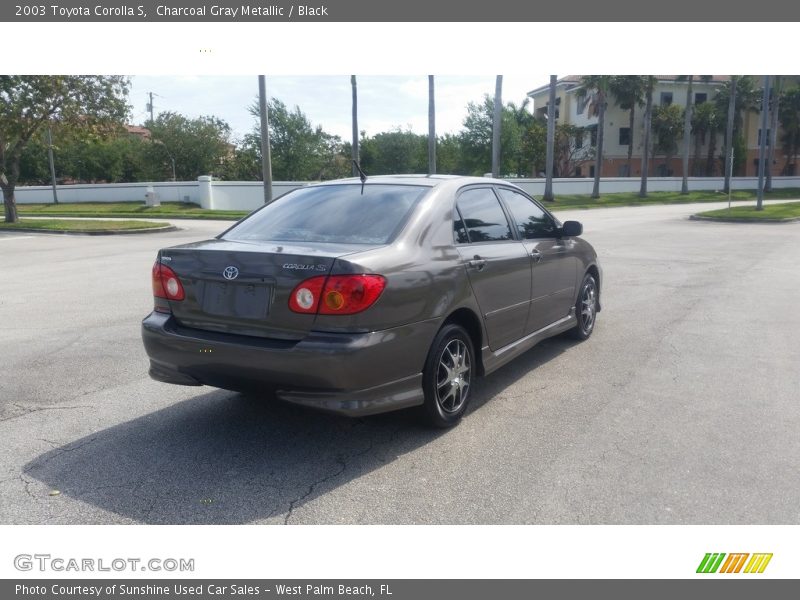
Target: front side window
[334, 214]
[483, 216]
[532, 222]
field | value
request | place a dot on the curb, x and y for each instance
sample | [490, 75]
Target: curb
[743, 220]
[127, 216]
[97, 232]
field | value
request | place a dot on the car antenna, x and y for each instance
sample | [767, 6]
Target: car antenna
[361, 175]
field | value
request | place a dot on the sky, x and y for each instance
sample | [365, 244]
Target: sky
[384, 102]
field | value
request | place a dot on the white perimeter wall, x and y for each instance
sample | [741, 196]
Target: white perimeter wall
[249, 195]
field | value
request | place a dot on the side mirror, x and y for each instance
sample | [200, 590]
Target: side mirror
[571, 229]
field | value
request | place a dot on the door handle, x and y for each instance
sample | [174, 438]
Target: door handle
[477, 263]
[536, 256]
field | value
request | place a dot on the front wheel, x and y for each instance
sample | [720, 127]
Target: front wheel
[585, 308]
[447, 377]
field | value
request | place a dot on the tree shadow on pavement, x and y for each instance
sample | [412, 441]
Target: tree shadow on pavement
[228, 458]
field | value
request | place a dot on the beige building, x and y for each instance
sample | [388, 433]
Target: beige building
[572, 109]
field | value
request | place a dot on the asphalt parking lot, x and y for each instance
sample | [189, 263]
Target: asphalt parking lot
[683, 407]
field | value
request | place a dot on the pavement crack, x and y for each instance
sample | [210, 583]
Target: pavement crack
[28, 411]
[27, 485]
[343, 464]
[342, 467]
[59, 453]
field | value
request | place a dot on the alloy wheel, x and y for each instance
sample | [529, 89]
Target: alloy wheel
[453, 376]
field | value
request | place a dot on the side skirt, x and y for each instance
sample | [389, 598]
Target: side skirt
[494, 360]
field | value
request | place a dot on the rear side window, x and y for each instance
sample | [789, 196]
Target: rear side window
[532, 222]
[483, 216]
[334, 214]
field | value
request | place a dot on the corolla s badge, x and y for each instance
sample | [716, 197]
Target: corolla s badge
[230, 273]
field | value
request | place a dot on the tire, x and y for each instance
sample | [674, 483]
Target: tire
[585, 309]
[448, 376]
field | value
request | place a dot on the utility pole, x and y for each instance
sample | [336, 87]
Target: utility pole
[551, 138]
[355, 154]
[762, 150]
[150, 106]
[52, 163]
[266, 156]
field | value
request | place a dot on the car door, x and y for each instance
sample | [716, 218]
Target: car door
[553, 259]
[497, 265]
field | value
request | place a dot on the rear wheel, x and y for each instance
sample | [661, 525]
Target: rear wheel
[585, 308]
[447, 377]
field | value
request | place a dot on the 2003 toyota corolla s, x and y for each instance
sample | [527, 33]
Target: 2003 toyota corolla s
[364, 297]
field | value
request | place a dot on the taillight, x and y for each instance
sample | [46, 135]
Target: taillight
[166, 283]
[305, 297]
[337, 294]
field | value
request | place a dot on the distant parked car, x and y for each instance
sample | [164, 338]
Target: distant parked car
[365, 297]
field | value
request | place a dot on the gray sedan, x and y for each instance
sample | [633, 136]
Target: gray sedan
[360, 297]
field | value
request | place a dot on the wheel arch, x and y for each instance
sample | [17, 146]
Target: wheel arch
[466, 318]
[595, 271]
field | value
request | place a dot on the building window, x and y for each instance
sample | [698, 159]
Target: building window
[578, 172]
[768, 136]
[591, 171]
[624, 171]
[624, 136]
[666, 98]
[581, 105]
[594, 137]
[700, 98]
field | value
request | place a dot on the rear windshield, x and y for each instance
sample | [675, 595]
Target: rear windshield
[333, 213]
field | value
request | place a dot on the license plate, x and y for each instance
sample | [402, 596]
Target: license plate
[241, 300]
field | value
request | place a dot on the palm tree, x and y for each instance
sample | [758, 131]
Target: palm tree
[650, 84]
[551, 138]
[667, 127]
[355, 124]
[790, 123]
[498, 114]
[729, 134]
[687, 128]
[705, 121]
[431, 128]
[266, 156]
[738, 95]
[773, 132]
[596, 89]
[628, 90]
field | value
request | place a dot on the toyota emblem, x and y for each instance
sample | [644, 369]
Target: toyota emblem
[230, 273]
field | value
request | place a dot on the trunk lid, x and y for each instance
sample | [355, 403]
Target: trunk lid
[244, 287]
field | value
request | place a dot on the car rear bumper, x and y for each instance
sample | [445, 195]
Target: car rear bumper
[352, 374]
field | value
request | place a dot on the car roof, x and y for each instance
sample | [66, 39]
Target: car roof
[418, 179]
